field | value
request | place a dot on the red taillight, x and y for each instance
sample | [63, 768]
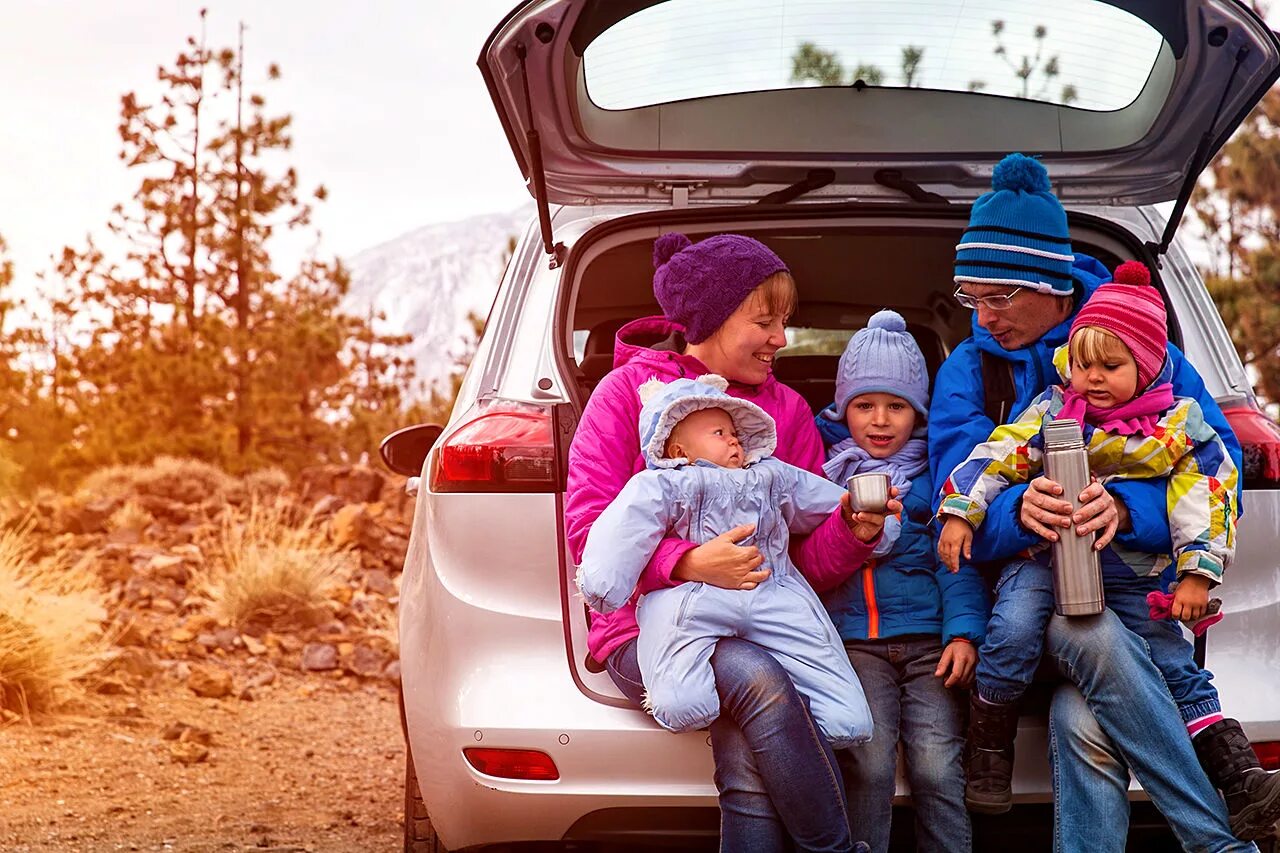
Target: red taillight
[1259, 438]
[513, 763]
[504, 447]
[1268, 753]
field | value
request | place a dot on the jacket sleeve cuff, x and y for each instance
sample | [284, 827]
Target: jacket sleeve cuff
[1204, 563]
[831, 553]
[1002, 534]
[657, 574]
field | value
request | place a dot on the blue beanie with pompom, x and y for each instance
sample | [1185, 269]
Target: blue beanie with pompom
[883, 358]
[700, 284]
[1017, 234]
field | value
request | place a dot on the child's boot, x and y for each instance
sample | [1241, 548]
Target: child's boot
[1252, 794]
[988, 755]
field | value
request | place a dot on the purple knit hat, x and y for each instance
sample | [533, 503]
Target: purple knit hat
[700, 284]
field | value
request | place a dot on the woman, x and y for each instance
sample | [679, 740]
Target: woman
[726, 301]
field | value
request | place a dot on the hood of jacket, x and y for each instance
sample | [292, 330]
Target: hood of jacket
[668, 403]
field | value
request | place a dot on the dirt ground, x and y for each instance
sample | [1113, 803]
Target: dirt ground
[310, 764]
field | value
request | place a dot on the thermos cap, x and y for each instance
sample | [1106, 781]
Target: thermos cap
[1063, 434]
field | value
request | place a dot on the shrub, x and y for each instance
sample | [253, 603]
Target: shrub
[187, 480]
[266, 482]
[51, 616]
[273, 570]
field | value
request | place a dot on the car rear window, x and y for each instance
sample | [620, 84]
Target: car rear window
[1080, 53]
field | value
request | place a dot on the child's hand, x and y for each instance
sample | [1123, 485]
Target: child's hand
[961, 658]
[956, 539]
[866, 526]
[1190, 598]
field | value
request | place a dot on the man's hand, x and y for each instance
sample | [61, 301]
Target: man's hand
[720, 562]
[866, 526]
[1190, 598]
[961, 658]
[1046, 514]
[955, 540]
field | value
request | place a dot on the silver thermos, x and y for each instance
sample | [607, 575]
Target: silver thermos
[1077, 572]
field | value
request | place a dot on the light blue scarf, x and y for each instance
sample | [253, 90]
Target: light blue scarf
[846, 458]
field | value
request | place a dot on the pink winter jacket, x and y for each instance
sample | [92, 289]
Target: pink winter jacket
[605, 453]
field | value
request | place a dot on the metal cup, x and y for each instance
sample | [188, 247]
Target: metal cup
[868, 492]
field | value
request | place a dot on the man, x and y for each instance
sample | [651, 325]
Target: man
[1015, 268]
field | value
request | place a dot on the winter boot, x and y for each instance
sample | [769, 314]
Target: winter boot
[988, 755]
[1252, 794]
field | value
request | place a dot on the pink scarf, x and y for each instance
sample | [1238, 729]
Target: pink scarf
[1136, 417]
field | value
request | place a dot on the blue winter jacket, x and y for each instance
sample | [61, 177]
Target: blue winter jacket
[958, 423]
[909, 591]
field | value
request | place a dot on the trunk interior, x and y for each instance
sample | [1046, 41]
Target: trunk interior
[846, 268]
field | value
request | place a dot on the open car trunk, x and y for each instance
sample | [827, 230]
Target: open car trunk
[849, 261]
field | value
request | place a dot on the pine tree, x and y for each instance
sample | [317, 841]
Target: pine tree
[1238, 203]
[197, 342]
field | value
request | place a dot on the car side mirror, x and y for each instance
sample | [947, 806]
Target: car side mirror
[405, 450]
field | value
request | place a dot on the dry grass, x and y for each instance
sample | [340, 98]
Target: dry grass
[185, 480]
[273, 569]
[51, 617]
[130, 516]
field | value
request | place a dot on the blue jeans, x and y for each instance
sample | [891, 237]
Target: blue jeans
[1124, 720]
[1015, 637]
[908, 704]
[778, 779]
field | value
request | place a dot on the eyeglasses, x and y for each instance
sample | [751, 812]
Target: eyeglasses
[991, 303]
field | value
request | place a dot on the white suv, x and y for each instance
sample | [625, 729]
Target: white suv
[634, 117]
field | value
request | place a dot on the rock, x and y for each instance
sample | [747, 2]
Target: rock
[391, 672]
[327, 506]
[247, 695]
[349, 526]
[379, 583]
[124, 536]
[319, 657]
[211, 682]
[366, 662]
[332, 628]
[188, 753]
[133, 633]
[262, 677]
[132, 710]
[170, 567]
[111, 687]
[227, 639]
[136, 662]
[255, 647]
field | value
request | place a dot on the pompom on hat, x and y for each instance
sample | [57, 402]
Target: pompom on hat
[700, 284]
[884, 358]
[1017, 234]
[1132, 310]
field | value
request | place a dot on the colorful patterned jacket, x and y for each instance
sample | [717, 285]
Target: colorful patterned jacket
[1201, 476]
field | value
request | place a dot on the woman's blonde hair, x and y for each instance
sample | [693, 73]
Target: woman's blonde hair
[777, 294]
[1094, 344]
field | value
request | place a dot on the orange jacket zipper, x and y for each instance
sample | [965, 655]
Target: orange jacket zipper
[869, 592]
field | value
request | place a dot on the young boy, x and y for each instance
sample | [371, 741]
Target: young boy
[710, 470]
[1118, 390]
[910, 628]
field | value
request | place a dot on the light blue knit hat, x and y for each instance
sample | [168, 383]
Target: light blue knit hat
[884, 358]
[1017, 233]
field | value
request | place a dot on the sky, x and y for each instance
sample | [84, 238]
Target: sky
[390, 112]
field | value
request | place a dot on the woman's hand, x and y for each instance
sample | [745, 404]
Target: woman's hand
[1045, 514]
[1190, 598]
[960, 658]
[955, 540]
[866, 526]
[720, 562]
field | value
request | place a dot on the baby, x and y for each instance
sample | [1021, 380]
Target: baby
[710, 470]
